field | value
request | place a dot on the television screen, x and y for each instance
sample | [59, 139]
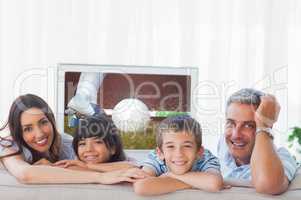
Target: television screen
[164, 91]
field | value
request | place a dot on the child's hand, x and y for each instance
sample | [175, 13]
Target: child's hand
[135, 174]
[132, 175]
[169, 174]
[226, 186]
[128, 175]
[42, 161]
[70, 163]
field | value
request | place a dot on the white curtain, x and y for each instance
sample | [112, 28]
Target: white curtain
[235, 43]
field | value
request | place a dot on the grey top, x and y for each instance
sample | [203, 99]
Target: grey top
[66, 150]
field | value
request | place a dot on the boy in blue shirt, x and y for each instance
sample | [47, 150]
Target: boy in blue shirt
[179, 161]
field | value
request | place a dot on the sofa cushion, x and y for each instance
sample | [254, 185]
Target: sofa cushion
[10, 188]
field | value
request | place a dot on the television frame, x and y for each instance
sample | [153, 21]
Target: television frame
[62, 68]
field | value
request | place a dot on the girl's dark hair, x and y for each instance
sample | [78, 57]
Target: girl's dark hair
[103, 127]
[21, 104]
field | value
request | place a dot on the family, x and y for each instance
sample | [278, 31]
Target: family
[35, 153]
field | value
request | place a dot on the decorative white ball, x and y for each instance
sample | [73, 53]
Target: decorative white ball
[131, 115]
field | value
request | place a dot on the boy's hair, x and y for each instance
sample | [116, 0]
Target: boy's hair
[178, 124]
[103, 127]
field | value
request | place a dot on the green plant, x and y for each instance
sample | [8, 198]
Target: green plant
[295, 135]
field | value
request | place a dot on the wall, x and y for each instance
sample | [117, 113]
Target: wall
[234, 43]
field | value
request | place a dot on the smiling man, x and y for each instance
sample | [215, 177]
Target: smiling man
[246, 150]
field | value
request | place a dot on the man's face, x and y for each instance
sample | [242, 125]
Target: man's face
[240, 131]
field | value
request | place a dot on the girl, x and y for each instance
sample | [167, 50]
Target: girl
[98, 146]
[34, 140]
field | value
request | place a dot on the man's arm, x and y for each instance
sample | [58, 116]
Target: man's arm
[266, 168]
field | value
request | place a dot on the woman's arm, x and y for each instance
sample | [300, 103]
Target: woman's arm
[100, 167]
[32, 174]
[112, 166]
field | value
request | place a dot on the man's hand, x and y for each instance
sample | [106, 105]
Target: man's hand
[267, 112]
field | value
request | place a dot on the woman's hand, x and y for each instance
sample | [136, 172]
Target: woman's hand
[70, 163]
[42, 161]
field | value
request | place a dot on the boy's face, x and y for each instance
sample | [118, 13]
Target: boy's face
[179, 150]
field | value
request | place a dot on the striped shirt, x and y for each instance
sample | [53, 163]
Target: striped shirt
[207, 162]
[231, 171]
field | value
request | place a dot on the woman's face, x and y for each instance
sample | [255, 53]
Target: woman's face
[93, 150]
[37, 130]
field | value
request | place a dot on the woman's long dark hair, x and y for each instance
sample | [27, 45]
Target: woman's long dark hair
[103, 127]
[21, 104]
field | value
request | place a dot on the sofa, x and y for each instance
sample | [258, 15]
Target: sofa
[10, 188]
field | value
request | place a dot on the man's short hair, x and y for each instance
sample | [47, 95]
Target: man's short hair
[178, 124]
[245, 96]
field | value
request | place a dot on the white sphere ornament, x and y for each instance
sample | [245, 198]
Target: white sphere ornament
[131, 115]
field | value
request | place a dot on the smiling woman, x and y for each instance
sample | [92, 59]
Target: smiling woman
[37, 130]
[32, 127]
[34, 144]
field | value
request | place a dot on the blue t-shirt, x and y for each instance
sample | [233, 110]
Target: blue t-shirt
[231, 171]
[208, 162]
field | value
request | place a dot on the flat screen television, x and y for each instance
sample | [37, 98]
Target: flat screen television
[162, 89]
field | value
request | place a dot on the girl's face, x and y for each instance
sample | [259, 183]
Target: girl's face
[94, 150]
[37, 130]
